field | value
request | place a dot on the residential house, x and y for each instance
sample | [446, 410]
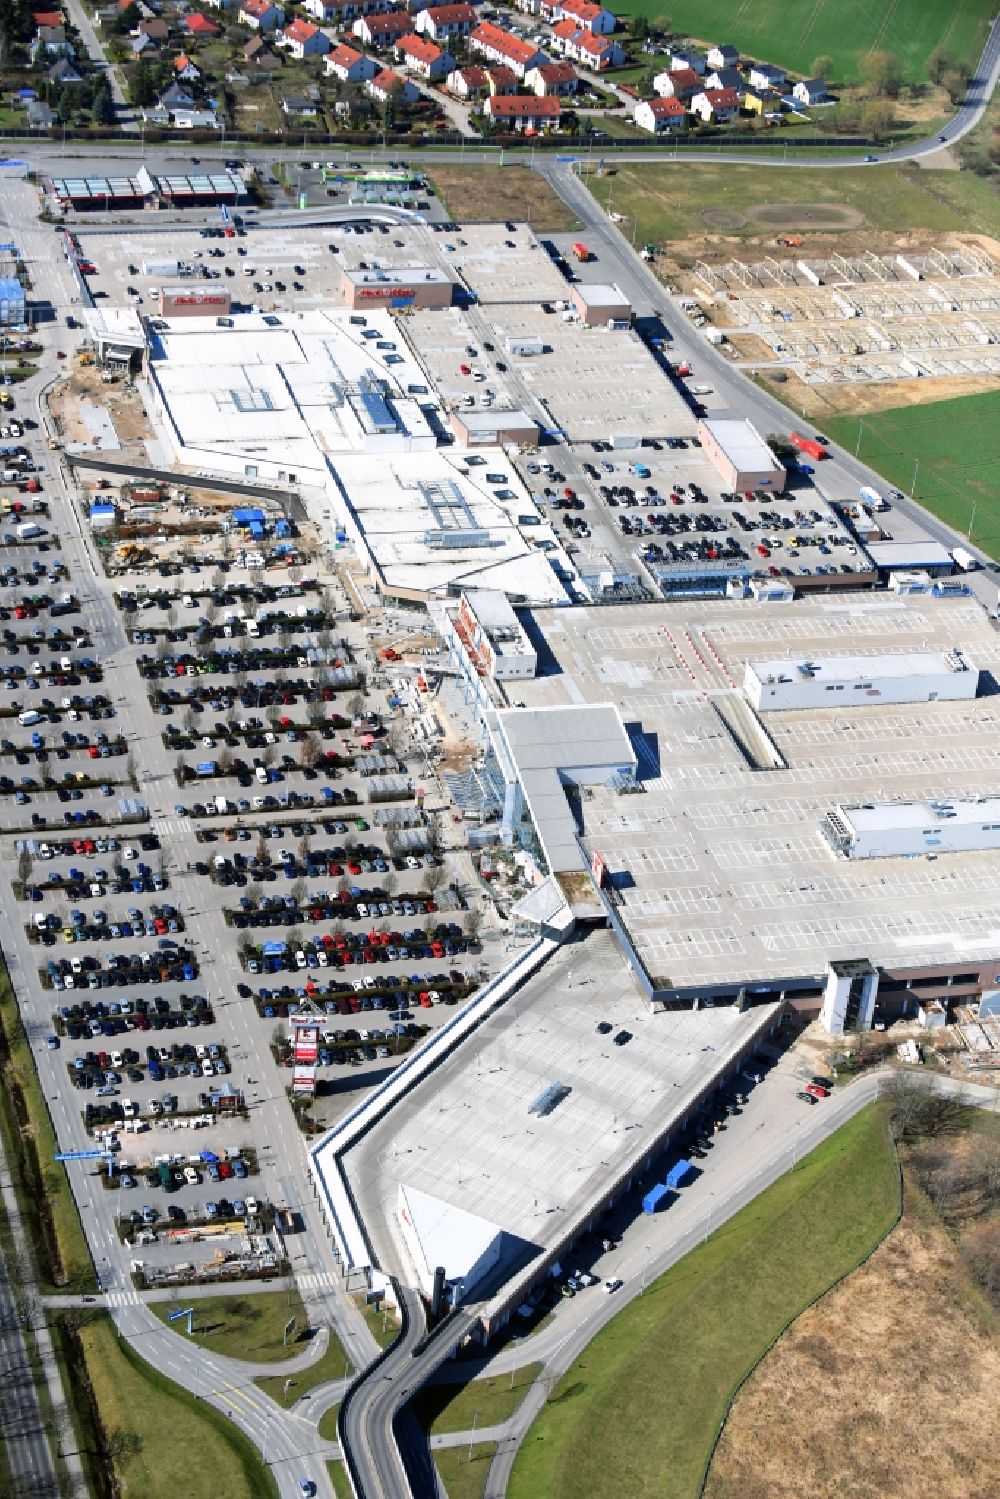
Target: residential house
[298, 107]
[40, 116]
[760, 101]
[155, 28]
[142, 45]
[63, 73]
[588, 17]
[261, 15]
[680, 83]
[348, 65]
[53, 42]
[763, 75]
[687, 57]
[327, 12]
[810, 91]
[301, 39]
[260, 57]
[185, 69]
[660, 116]
[725, 78]
[440, 22]
[524, 112]
[47, 17]
[724, 56]
[502, 82]
[383, 30]
[596, 52]
[555, 78]
[388, 87]
[195, 119]
[418, 54]
[197, 24]
[500, 46]
[175, 97]
[469, 83]
[716, 106]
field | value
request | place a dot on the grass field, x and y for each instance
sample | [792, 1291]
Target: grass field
[911, 1317]
[340, 1481]
[47, 1205]
[955, 446]
[442, 1407]
[333, 1365]
[464, 1479]
[680, 201]
[327, 1425]
[247, 1327]
[638, 1413]
[384, 1325]
[790, 33]
[162, 1441]
[485, 194]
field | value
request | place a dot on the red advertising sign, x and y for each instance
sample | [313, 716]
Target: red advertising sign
[597, 868]
[206, 299]
[381, 292]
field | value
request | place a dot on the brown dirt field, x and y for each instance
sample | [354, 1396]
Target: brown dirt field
[800, 217]
[818, 401]
[886, 1389]
[750, 346]
[488, 194]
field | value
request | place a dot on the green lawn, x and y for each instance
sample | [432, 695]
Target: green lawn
[443, 1407]
[463, 1479]
[638, 1413]
[47, 1204]
[956, 448]
[164, 1442]
[673, 199]
[247, 1327]
[334, 1364]
[327, 1426]
[383, 1325]
[340, 1481]
[790, 33]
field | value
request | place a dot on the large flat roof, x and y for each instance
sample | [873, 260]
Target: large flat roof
[852, 668]
[741, 444]
[877, 816]
[731, 879]
[465, 1135]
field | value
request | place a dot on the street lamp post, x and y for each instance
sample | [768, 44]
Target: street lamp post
[472, 1434]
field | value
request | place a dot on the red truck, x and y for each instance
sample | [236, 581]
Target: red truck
[580, 251]
[807, 445]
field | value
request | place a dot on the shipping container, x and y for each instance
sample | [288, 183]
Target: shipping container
[679, 1173]
[656, 1198]
[580, 251]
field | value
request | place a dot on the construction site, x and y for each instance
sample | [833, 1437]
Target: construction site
[859, 319]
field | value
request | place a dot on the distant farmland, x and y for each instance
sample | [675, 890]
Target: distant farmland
[791, 33]
[954, 446]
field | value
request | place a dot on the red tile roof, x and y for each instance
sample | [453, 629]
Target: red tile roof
[200, 25]
[419, 48]
[300, 31]
[451, 15]
[503, 42]
[524, 106]
[663, 107]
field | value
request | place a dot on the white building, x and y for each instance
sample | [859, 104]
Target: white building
[882, 830]
[860, 681]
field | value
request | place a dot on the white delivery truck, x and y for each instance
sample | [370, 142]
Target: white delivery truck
[964, 559]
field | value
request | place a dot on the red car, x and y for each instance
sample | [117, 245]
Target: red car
[817, 1091]
[465, 370]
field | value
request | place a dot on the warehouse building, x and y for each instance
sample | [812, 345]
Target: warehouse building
[600, 305]
[493, 428]
[740, 456]
[860, 681]
[396, 288]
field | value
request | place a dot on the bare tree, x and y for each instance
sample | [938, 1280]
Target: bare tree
[181, 767]
[473, 925]
[433, 878]
[302, 847]
[918, 1111]
[261, 850]
[188, 721]
[131, 774]
[24, 863]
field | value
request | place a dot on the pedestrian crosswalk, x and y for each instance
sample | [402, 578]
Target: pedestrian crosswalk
[169, 827]
[320, 1280]
[122, 1298]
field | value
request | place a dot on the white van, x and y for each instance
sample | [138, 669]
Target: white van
[261, 773]
[28, 718]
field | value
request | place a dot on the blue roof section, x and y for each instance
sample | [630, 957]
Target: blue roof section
[245, 515]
